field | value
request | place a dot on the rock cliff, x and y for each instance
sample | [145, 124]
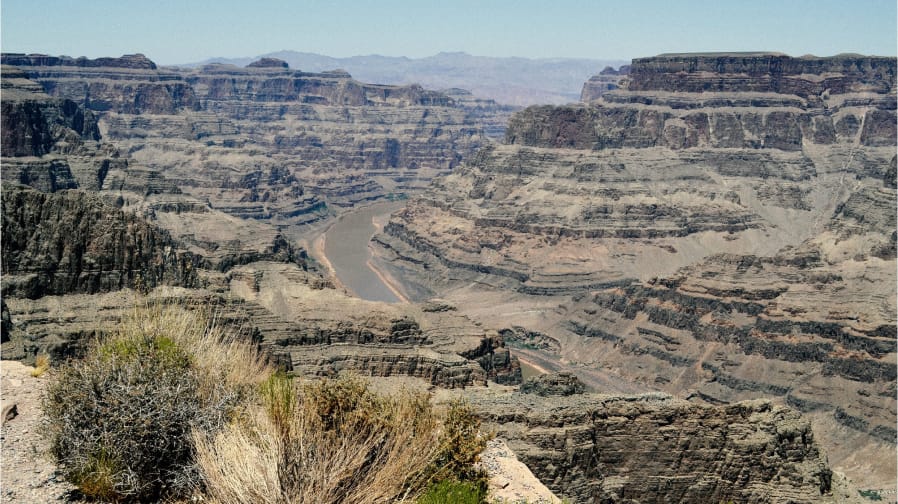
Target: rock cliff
[306, 325]
[266, 141]
[77, 249]
[653, 448]
[74, 242]
[720, 226]
[607, 80]
[34, 125]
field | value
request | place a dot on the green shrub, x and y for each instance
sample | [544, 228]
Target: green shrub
[872, 495]
[460, 446]
[453, 492]
[120, 420]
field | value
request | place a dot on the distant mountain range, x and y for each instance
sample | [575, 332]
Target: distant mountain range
[511, 80]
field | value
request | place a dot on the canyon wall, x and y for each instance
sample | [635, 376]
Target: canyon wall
[654, 448]
[89, 231]
[720, 226]
[268, 142]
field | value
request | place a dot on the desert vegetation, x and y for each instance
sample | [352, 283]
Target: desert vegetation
[171, 406]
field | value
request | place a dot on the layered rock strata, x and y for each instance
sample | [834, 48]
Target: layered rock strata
[653, 448]
[307, 327]
[607, 80]
[723, 224]
[267, 142]
[75, 253]
[74, 242]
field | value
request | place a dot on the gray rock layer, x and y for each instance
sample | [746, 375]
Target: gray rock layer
[653, 448]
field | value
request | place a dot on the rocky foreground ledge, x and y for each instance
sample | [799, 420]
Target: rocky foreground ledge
[653, 448]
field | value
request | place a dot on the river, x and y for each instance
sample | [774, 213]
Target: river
[346, 247]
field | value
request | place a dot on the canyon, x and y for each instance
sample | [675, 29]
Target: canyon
[720, 227]
[705, 245]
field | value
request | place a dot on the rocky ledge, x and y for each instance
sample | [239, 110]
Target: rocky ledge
[653, 448]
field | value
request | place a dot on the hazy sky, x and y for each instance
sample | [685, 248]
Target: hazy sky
[180, 31]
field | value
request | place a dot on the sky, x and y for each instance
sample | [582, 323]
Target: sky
[183, 31]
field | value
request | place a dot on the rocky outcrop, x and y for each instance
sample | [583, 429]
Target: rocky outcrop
[305, 325]
[806, 77]
[47, 143]
[268, 63]
[725, 100]
[132, 61]
[74, 242]
[607, 80]
[557, 384]
[321, 332]
[49, 175]
[652, 448]
[5, 322]
[824, 330]
[506, 214]
[35, 125]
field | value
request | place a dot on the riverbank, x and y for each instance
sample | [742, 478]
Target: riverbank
[342, 248]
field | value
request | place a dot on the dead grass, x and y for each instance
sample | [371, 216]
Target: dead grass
[217, 352]
[41, 365]
[332, 441]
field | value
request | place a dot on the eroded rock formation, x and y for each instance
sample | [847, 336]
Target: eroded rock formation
[74, 256]
[268, 142]
[723, 224]
[653, 448]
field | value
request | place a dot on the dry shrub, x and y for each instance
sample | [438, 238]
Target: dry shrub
[41, 365]
[334, 441]
[121, 420]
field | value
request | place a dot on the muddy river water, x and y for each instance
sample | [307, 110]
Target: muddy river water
[346, 247]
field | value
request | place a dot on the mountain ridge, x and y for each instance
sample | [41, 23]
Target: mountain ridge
[511, 80]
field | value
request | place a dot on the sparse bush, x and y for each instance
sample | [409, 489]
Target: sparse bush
[461, 444]
[331, 441]
[169, 407]
[872, 495]
[453, 492]
[120, 420]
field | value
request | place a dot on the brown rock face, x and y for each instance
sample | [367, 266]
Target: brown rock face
[34, 125]
[560, 384]
[806, 77]
[131, 61]
[607, 80]
[725, 100]
[723, 224]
